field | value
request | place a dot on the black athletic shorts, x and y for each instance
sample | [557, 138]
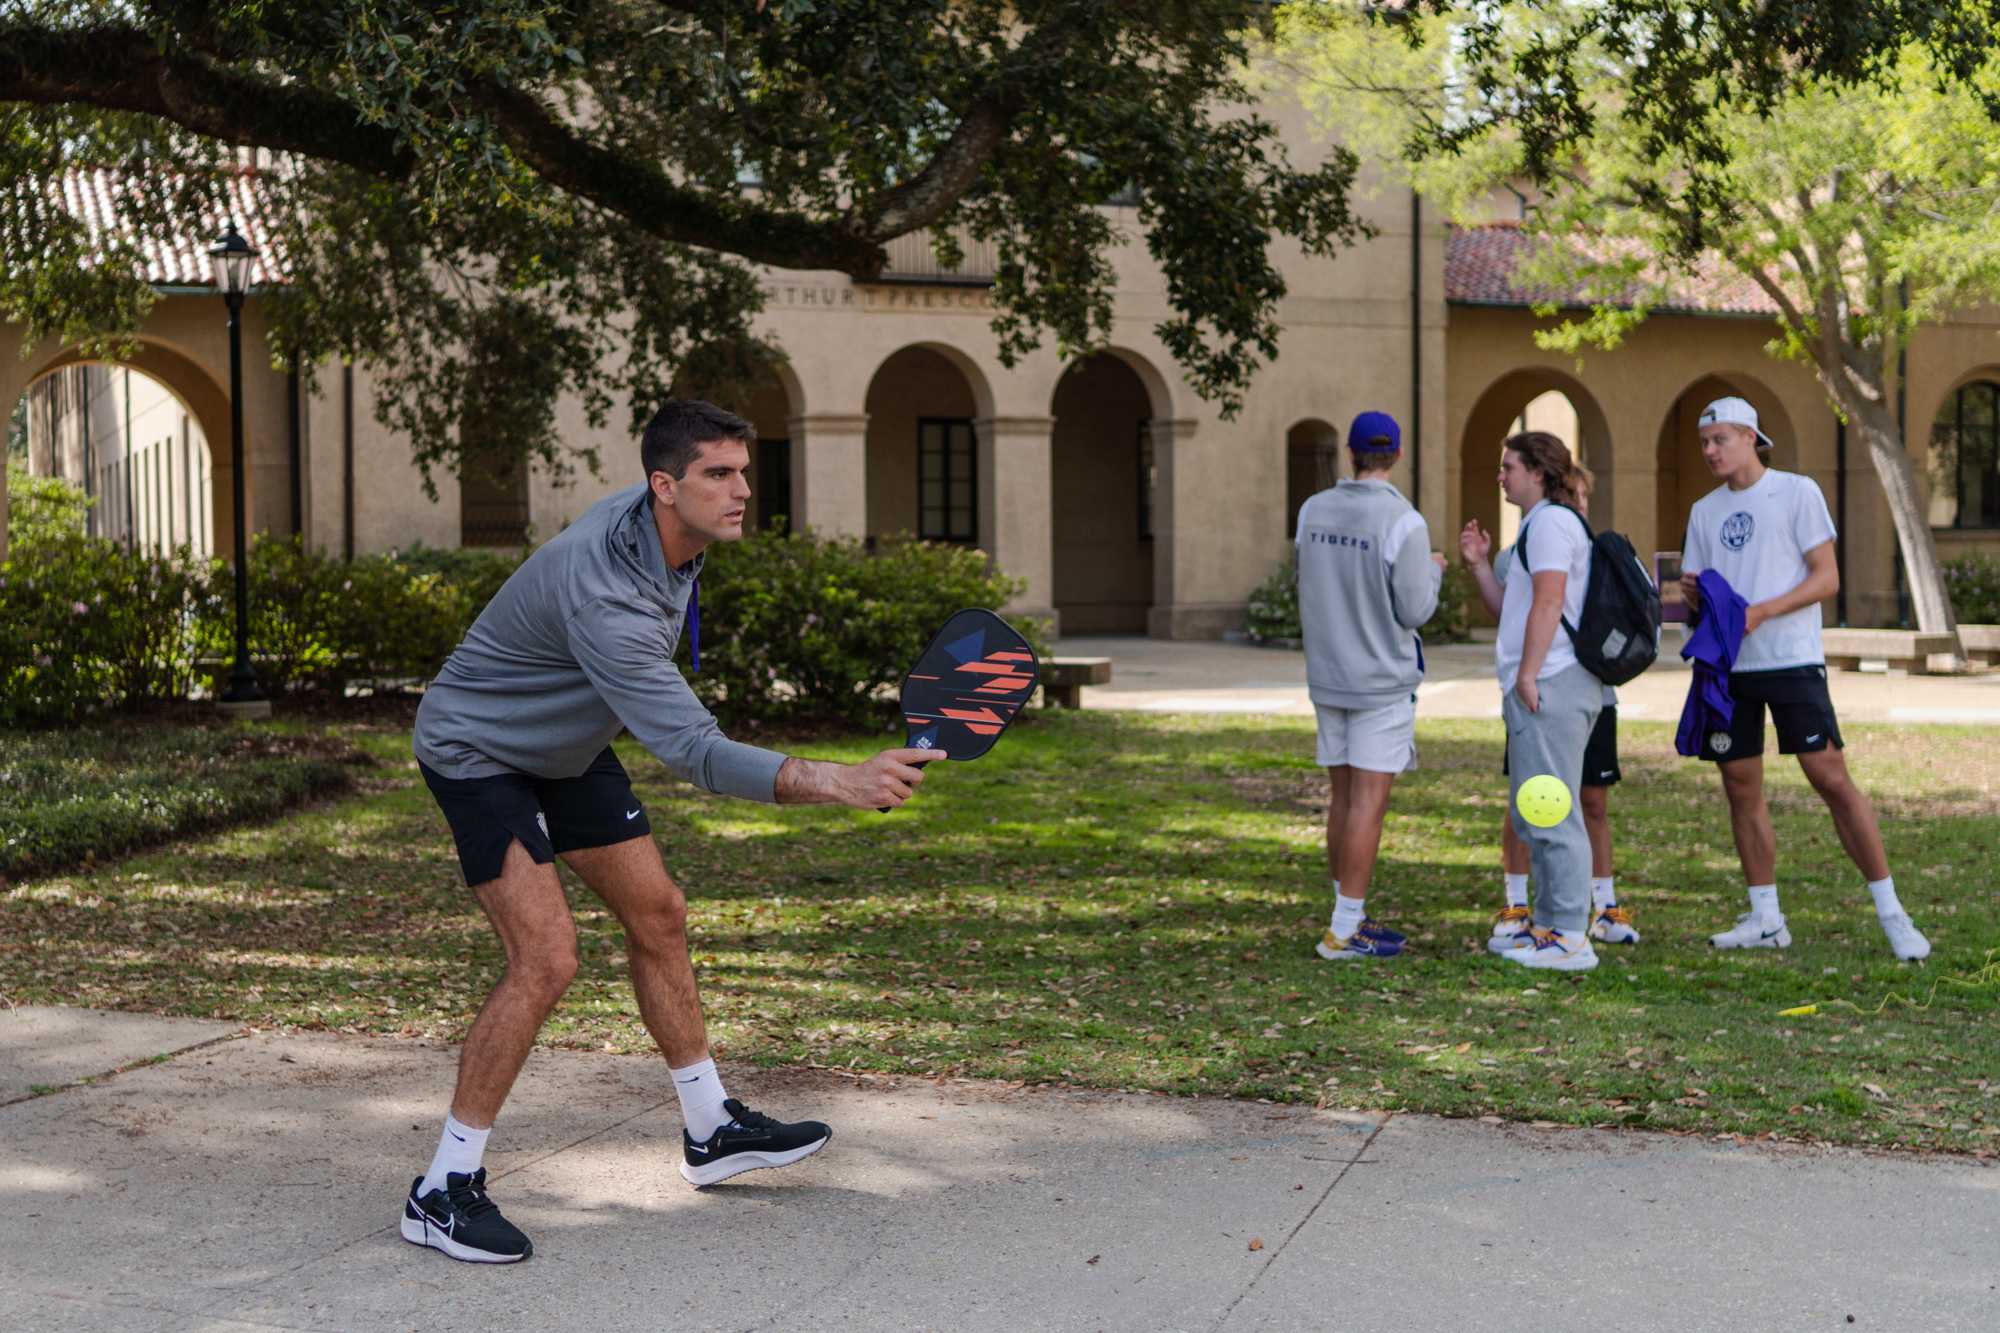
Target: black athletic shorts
[1600, 752]
[547, 815]
[1801, 709]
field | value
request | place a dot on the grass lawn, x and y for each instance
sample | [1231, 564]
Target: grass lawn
[1131, 901]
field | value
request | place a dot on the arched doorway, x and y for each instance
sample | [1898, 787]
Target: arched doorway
[1964, 462]
[765, 399]
[132, 445]
[1538, 399]
[1105, 497]
[923, 448]
[1683, 473]
[1313, 462]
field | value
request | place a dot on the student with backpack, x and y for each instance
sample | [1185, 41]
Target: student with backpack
[1549, 701]
[1610, 923]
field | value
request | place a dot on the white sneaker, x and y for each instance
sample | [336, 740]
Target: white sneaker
[1904, 937]
[1749, 932]
[1510, 929]
[1545, 949]
[1614, 926]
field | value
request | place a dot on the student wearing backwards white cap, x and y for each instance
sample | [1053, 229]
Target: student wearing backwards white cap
[1769, 534]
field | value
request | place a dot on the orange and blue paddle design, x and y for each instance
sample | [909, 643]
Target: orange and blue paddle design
[969, 684]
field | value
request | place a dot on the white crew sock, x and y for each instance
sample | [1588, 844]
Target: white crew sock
[1346, 917]
[700, 1089]
[1602, 893]
[1764, 902]
[1573, 939]
[1884, 891]
[1517, 890]
[461, 1149]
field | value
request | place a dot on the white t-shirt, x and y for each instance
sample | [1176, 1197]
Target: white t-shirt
[1504, 562]
[1555, 541]
[1757, 538]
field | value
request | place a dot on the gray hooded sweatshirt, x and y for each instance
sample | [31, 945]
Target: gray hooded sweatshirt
[576, 646]
[1366, 583]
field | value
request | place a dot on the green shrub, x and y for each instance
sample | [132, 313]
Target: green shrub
[101, 790]
[800, 629]
[87, 626]
[319, 624]
[43, 509]
[476, 573]
[1973, 582]
[1273, 611]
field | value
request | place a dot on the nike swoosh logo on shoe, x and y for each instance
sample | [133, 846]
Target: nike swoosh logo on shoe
[696, 1147]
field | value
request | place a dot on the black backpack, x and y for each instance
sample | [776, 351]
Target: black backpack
[1618, 634]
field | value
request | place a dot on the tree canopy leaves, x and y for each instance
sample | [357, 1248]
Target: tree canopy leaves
[490, 202]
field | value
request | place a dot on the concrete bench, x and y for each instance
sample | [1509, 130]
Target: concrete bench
[1906, 648]
[1981, 643]
[1063, 679]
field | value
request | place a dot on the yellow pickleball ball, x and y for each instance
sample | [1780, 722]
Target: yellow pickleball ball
[1543, 800]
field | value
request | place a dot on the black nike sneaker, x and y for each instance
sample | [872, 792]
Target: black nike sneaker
[748, 1141]
[460, 1220]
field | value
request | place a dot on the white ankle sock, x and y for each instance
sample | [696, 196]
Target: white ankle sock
[1347, 916]
[461, 1149]
[1517, 890]
[1602, 893]
[1764, 902]
[1884, 891]
[1573, 939]
[700, 1089]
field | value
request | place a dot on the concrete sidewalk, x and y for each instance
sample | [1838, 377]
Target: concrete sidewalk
[254, 1183]
[1154, 675]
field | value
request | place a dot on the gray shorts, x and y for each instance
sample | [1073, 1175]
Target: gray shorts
[1381, 739]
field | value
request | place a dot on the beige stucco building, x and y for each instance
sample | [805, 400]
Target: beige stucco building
[1125, 502]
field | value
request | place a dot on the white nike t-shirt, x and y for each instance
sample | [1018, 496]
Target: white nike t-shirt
[1555, 541]
[1502, 564]
[1757, 538]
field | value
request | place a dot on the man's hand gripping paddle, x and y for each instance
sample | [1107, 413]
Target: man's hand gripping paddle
[971, 682]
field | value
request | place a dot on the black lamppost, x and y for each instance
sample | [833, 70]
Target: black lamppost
[231, 258]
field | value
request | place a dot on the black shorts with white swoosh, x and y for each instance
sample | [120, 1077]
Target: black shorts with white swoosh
[1801, 710]
[548, 816]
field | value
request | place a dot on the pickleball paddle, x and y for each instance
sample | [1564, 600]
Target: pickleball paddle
[967, 686]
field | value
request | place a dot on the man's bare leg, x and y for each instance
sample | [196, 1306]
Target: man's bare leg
[1853, 813]
[1750, 819]
[1336, 815]
[1597, 827]
[633, 882]
[1361, 834]
[526, 906]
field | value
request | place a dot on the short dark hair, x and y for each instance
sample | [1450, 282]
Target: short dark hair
[675, 435]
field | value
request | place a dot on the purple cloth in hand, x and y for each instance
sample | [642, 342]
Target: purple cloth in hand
[1712, 647]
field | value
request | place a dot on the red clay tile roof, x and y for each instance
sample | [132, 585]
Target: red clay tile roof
[1480, 262]
[179, 260]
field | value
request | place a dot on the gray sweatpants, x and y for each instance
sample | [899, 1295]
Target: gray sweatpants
[1551, 741]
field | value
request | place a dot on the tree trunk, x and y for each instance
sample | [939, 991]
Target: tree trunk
[1921, 568]
[3, 509]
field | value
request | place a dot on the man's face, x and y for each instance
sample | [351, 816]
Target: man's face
[710, 499]
[1521, 486]
[1728, 448]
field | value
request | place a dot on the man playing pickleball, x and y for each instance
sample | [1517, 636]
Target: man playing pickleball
[514, 740]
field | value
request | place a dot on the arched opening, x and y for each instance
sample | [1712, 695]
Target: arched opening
[132, 445]
[1683, 473]
[1105, 497]
[923, 449]
[765, 399]
[1537, 399]
[1313, 462]
[1965, 455]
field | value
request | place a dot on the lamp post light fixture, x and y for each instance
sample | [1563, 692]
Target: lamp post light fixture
[230, 258]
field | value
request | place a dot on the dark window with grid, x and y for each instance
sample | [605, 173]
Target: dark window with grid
[947, 481]
[1966, 436]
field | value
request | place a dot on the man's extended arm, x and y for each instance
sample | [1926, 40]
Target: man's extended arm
[881, 782]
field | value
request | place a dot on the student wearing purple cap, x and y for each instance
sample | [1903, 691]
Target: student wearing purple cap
[1769, 535]
[1367, 583]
